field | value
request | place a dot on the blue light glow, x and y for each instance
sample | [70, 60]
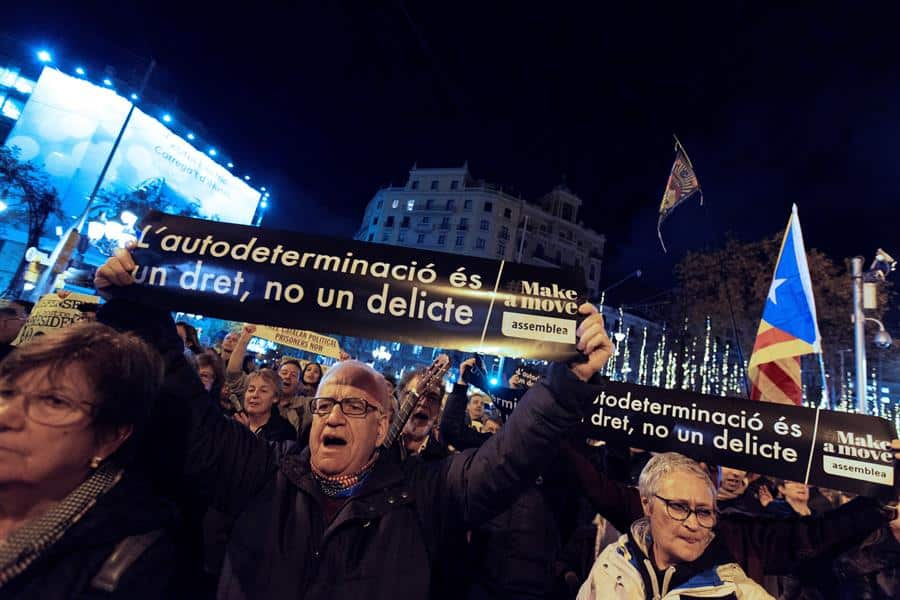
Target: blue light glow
[264, 204]
[134, 97]
[212, 152]
[263, 188]
[231, 165]
[494, 381]
[107, 82]
[246, 178]
[80, 71]
[190, 136]
[167, 118]
[44, 56]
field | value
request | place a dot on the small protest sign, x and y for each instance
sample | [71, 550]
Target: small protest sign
[55, 311]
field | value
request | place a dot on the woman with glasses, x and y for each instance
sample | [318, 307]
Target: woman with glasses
[760, 545]
[75, 519]
[672, 551]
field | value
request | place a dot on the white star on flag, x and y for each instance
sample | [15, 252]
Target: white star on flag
[776, 283]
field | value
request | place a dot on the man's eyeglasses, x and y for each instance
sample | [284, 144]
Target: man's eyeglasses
[351, 407]
[706, 517]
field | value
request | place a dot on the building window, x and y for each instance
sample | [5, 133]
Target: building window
[485, 225]
[375, 221]
[404, 222]
[420, 239]
[467, 205]
[426, 220]
[460, 239]
[415, 184]
[410, 204]
[454, 185]
[504, 233]
[371, 237]
[463, 224]
[385, 236]
[488, 206]
[395, 204]
[434, 184]
[451, 204]
[567, 212]
[402, 236]
[429, 204]
[501, 249]
[445, 223]
[479, 243]
[507, 213]
[442, 239]
[380, 204]
[390, 221]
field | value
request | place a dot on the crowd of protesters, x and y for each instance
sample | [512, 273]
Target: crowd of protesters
[136, 463]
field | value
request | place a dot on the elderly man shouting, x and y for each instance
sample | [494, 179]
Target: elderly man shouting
[334, 520]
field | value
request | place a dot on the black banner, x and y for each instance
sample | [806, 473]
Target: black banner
[837, 450]
[355, 288]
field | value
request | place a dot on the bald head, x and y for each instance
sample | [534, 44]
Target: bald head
[359, 374]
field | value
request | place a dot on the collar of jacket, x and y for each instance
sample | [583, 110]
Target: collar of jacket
[698, 573]
[384, 489]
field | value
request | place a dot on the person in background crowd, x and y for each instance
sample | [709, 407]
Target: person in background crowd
[290, 406]
[333, 520]
[418, 433]
[12, 317]
[260, 413]
[211, 373]
[312, 374]
[249, 364]
[671, 549]
[391, 382]
[735, 493]
[228, 344]
[511, 555]
[759, 544]
[793, 499]
[475, 411]
[188, 335]
[492, 424]
[76, 521]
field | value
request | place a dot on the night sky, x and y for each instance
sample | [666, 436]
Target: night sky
[328, 102]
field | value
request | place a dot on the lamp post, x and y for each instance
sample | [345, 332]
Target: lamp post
[865, 296]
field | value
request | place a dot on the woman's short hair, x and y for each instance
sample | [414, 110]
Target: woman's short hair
[667, 463]
[124, 372]
[267, 375]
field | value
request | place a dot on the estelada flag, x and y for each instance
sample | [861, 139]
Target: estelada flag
[788, 328]
[682, 184]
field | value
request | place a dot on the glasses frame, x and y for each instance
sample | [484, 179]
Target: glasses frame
[691, 511]
[340, 402]
[80, 409]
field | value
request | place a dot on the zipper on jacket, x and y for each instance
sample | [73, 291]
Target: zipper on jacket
[667, 579]
[653, 581]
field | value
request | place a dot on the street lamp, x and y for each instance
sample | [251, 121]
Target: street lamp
[80, 71]
[865, 297]
[44, 56]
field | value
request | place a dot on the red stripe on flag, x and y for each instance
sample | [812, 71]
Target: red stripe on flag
[772, 336]
[783, 380]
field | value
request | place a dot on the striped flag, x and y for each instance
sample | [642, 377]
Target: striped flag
[682, 184]
[788, 328]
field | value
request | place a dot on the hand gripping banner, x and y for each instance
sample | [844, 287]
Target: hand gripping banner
[355, 288]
